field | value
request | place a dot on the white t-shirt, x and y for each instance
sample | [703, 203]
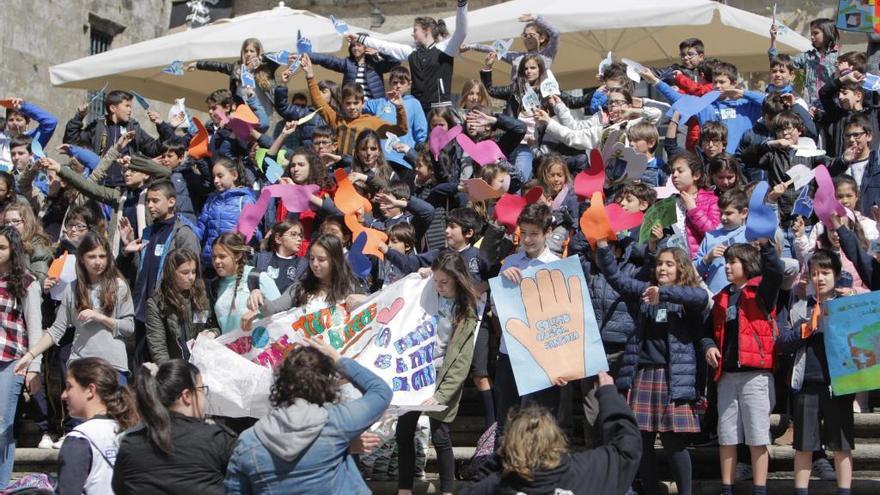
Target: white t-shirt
[857, 170]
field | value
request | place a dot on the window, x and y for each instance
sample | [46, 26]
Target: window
[99, 42]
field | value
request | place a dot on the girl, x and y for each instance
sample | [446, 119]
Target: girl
[306, 168]
[288, 452]
[819, 63]
[401, 238]
[659, 364]
[473, 93]
[36, 243]
[482, 125]
[253, 60]
[431, 60]
[174, 451]
[8, 195]
[847, 191]
[223, 207]
[20, 310]
[328, 281]
[179, 310]
[279, 257]
[92, 392]
[456, 324]
[369, 159]
[78, 221]
[231, 295]
[555, 178]
[725, 173]
[98, 305]
[540, 37]
[444, 117]
[697, 209]
[362, 66]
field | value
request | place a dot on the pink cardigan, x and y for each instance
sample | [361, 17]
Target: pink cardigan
[704, 218]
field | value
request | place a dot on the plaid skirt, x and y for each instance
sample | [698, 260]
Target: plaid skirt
[649, 400]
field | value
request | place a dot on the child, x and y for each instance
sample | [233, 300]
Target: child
[782, 78]
[659, 363]
[106, 406]
[229, 258]
[397, 205]
[17, 120]
[710, 145]
[446, 118]
[361, 67]
[401, 238]
[823, 238]
[692, 54]
[179, 310]
[842, 99]
[324, 145]
[860, 162]
[697, 206]
[453, 352]
[101, 134]
[36, 243]
[643, 138]
[819, 63]
[559, 194]
[182, 177]
[473, 94]
[742, 353]
[709, 260]
[539, 36]
[368, 158]
[279, 257]
[725, 174]
[417, 127]
[847, 191]
[635, 196]
[432, 58]
[224, 143]
[223, 208]
[821, 419]
[351, 121]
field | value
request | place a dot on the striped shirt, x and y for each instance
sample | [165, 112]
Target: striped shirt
[361, 80]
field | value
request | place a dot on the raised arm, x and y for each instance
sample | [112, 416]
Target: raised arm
[452, 45]
[390, 48]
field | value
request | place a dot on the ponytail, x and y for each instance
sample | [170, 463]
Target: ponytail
[116, 398]
[156, 393]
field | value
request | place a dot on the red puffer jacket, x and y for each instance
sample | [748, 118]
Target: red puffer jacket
[757, 333]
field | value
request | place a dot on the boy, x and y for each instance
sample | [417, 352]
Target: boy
[17, 120]
[782, 78]
[738, 110]
[709, 260]
[324, 145]
[224, 142]
[860, 162]
[351, 120]
[692, 54]
[711, 143]
[101, 134]
[741, 349]
[400, 82]
[397, 205]
[643, 138]
[850, 100]
[635, 196]
[171, 158]
[821, 419]
[20, 153]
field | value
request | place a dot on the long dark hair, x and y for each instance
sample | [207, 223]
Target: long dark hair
[452, 264]
[170, 299]
[117, 398]
[383, 170]
[830, 35]
[155, 394]
[520, 83]
[306, 374]
[342, 281]
[7, 178]
[317, 170]
[107, 281]
[17, 276]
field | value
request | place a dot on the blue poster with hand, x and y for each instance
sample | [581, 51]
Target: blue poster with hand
[548, 325]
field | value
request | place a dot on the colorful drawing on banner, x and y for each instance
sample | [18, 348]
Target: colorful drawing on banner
[339, 25]
[660, 213]
[851, 330]
[175, 69]
[803, 205]
[858, 15]
[592, 179]
[548, 325]
[501, 47]
[687, 106]
[762, 220]
[392, 333]
[440, 137]
[140, 99]
[303, 45]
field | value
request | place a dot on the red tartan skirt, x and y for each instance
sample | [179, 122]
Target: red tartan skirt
[649, 400]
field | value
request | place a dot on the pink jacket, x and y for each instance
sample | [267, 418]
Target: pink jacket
[704, 218]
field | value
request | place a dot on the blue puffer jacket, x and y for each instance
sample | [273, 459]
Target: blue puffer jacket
[686, 311]
[373, 70]
[615, 315]
[219, 215]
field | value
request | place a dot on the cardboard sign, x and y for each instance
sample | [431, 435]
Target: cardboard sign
[548, 325]
[851, 330]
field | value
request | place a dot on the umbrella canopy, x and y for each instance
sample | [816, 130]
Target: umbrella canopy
[139, 67]
[647, 31]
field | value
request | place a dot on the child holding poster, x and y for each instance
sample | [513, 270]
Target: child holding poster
[660, 360]
[820, 417]
[453, 352]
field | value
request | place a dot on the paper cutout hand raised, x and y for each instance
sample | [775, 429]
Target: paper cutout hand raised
[555, 330]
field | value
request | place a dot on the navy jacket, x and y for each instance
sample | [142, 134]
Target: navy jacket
[373, 70]
[869, 192]
[686, 312]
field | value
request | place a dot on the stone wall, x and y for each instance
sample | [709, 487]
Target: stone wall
[36, 34]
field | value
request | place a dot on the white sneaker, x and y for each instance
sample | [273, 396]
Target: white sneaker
[45, 442]
[57, 445]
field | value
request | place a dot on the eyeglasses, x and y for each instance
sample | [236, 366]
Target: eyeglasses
[616, 103]
[322, 143]
[689, 55]
[78, 227]
[854, 135]
[204, 389]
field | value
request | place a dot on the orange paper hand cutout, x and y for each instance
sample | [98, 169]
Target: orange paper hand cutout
[479, 190]
[594, 222]
[374, 237]
[244, 112]
[555, 315]
[57, 266]
[347, 199]
[198, 146]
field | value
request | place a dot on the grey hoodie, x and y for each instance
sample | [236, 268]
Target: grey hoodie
[287, 432]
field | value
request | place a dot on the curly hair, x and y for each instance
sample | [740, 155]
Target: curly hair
[685, 273]
[305, 374]
[17, 276]
[533, 442]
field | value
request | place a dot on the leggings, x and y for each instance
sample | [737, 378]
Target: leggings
[406, 429]
[676, 454]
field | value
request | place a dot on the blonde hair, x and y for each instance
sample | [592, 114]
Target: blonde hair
[470, 84]
[532, 442]
[32, 235]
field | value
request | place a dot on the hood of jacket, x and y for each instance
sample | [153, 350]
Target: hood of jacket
[542, 482]
[287, 432]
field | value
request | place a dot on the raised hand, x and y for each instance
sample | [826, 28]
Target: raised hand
[555, 330]
[490, 60]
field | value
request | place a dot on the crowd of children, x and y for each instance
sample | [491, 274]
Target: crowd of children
[706, 331]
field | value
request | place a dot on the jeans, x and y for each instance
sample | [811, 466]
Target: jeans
[10, 388]
[522, 159]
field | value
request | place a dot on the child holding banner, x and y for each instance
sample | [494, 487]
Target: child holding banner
[453, 352]
[660, 359]
[820, 417]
